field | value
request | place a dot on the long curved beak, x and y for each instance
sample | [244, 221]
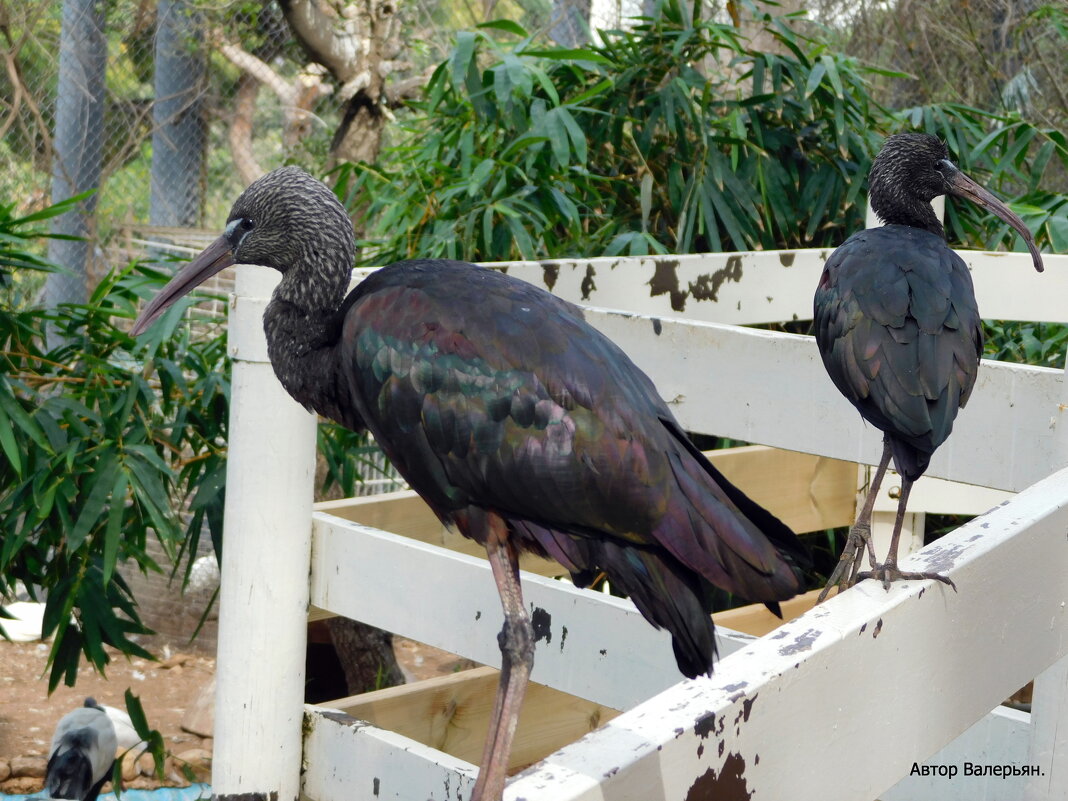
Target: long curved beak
[215, 257]
[963, 186]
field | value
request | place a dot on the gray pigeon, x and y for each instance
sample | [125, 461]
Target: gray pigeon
[82, 754]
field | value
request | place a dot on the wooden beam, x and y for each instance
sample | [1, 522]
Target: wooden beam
[452, 714]
[350, 760]
[405, 513]
[807, 492]
[732, 382]
[868, 666]
[583, 632]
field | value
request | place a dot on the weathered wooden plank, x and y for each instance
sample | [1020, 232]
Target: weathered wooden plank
[1008, 288]
[775, 286]
[452, 714]
[807, 492]
[380, 578]
[1049, 707]
[938, 496]
[349, 760]
[754, 287]
[771, 388]
[405, 513]
[810, 701]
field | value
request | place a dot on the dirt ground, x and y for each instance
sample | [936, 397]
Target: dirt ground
[28, 715]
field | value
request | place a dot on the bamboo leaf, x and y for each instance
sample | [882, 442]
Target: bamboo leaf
[113, 532]
[7, 442]
[506, 26]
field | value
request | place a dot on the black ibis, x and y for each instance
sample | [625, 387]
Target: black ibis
[898, 327]
[514, 419]
[82, 753]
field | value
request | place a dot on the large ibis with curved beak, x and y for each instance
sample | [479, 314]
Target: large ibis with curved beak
[514, 419]
[898, 327]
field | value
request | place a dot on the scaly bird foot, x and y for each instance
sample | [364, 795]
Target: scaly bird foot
[847, 570]
[889, 573]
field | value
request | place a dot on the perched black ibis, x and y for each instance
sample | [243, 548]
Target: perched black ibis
[898, 327]
[82, 753]
[513, 418]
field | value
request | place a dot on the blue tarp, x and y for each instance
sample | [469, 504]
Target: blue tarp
[190, 793]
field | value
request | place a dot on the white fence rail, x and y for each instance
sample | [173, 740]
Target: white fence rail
[838, 704]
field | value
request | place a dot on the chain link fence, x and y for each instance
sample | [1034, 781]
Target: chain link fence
[170, 107]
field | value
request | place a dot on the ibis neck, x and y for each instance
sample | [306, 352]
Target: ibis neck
[915, 213]
[303, 349]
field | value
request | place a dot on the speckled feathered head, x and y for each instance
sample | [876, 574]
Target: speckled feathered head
[287, 220]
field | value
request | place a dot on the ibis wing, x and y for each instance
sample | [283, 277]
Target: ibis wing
[487, 391]
[899, 332]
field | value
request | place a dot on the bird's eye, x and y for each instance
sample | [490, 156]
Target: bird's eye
[237, 230]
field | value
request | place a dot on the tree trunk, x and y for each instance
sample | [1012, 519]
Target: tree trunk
[79, 144]
[358, 43]
[570, 22]
[179, 138]
[366, 655]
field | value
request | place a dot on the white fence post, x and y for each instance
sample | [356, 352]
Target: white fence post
[259, 700]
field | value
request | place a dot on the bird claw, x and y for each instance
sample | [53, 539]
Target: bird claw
[889, 573]
[846, 572]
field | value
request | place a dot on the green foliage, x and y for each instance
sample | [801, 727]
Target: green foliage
[151, 738]
[350, 458]
[669, 137]
[675, 136]
[18, 248]
[101, 439]
[1041, 344]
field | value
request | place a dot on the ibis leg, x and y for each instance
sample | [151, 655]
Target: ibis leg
[888, 570]
[517, 658]
[846, 572]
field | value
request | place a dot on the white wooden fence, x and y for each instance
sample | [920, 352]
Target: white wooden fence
[871, 695]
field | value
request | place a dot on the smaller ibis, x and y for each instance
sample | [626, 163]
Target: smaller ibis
[899, 330]
[82, 753]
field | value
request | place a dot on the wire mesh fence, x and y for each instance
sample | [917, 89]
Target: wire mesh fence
[168, 108]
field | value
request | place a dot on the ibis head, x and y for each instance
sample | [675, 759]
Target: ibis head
[913, 169]
[286, 220]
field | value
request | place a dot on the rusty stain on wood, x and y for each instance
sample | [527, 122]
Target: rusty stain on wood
[665, 281]
[728, 785]
[541, 621]
[550, 271]
[707, 286]
[588, 286]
